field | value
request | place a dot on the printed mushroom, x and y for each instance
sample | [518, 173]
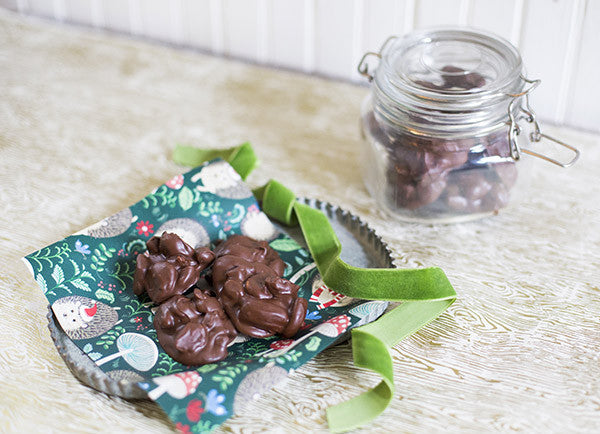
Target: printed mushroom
[368, 311]
[325, 296]
[139, 351]
[177, 386]
[331, 328]
[335, 326]
[281, 344]
[175, 183]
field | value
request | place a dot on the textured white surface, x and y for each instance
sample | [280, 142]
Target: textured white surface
[87, 125]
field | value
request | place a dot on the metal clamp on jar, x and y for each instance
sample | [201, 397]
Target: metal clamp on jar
[445, 123]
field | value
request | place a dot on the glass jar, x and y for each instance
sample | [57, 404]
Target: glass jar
[445, 123]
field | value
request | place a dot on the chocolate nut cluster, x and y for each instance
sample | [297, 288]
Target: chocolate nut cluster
[247, 279]
[250, 296]
[194, 330]
[169, 267]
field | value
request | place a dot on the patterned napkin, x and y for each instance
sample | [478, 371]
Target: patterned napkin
[87, 278]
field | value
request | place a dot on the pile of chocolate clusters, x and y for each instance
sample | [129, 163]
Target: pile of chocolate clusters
[439, 175]
[244, 292]
[429, 173]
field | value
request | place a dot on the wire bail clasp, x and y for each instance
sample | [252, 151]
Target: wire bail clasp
[363, 66]
[536, 135]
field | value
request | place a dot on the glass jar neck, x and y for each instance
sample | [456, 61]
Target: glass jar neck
[437, 113]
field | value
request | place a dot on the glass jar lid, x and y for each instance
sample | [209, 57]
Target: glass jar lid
[452, 82]
[453, 64]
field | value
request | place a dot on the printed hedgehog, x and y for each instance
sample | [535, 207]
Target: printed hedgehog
[84, 318]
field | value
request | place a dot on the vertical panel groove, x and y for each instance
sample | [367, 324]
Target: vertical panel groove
[464, 13]
[135, 17]
[262, 25]
[309, 36]
[517, 28]
[570, 61]
[396, 30]
[176, 21]
[23, 6]
[60, 10]
[357, 37]
[98, 18]
[410, 14]
[217, 29]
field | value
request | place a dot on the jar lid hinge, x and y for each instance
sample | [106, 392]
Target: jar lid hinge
[536, 135]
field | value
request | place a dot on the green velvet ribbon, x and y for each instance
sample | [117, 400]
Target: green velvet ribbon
[425, 293]
[242, 158]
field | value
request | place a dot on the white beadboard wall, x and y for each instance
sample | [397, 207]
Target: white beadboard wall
[559, 39]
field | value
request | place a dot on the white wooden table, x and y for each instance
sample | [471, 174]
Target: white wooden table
[87, 124]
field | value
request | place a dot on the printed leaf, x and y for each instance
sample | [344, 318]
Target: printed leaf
[86, 274]
[107, 251]
[75, 266]
[285, 245]
[63, 286]
[207, 368]
[313, 344]
[57, 274]
[186, 198]
[288, 270]
[105, 295]
[87, 348]
[80, 284]
[94, 356]
[41, 282]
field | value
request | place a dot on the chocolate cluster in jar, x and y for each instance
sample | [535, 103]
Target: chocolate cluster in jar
[455, 78]
[454, 176]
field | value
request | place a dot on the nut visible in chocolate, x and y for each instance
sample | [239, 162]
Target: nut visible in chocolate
[247, 279]
[195, 330]
[169, 267]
